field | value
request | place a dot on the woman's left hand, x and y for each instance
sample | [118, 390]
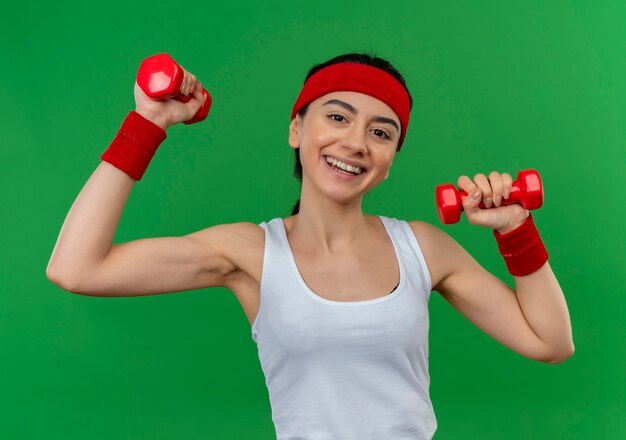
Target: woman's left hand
[492, 190]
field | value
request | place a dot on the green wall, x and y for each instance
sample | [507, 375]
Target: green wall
[497, 86]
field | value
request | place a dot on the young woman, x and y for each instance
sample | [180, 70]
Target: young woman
[337, 299]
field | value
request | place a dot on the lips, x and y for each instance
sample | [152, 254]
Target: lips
[347, 162]
[340, 173]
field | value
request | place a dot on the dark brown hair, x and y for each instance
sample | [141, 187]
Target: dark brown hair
[370, 60]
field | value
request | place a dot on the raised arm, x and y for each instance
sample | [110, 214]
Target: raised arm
[533, 319]
[84, 256]
[85, 261]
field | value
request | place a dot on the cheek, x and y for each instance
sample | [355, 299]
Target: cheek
[388, 157]
[326, 138]
[320, 133]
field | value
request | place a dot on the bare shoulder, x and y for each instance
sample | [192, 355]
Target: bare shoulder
[244, 233]
[439, 249]
[240, 243]
[247, 231]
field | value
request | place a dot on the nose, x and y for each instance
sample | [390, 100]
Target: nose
[355, 139]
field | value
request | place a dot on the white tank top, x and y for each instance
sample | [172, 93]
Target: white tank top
[345, 370]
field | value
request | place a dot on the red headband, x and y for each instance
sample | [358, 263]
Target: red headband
[361, 78]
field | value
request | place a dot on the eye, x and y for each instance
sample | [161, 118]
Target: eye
[336, 117]
[381, 133]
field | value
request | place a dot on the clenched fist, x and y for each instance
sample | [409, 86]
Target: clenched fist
[491, 190]
[171, 111]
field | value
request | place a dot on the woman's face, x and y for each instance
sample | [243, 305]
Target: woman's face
[351, 127]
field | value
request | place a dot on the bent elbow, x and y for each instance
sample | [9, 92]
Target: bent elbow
[65, 284]
[56, 279]
[561, 357]
[62, 283]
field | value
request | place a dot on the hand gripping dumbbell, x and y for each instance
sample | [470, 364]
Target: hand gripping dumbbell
[160, 77]
[527, 190]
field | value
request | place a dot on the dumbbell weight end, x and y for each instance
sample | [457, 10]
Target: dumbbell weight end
[526, 190]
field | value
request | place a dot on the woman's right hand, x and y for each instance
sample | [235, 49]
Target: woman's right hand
[171, 111]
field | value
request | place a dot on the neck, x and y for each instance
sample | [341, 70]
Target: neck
[328, 225]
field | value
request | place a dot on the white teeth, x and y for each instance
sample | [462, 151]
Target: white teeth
[343, 166]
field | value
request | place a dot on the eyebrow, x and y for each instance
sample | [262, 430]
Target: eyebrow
[351, 109]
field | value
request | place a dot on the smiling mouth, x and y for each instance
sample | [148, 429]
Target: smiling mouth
[350, 171]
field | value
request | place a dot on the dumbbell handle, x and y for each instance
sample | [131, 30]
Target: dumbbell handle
[527, 190]
[515, 196]
[160, 77]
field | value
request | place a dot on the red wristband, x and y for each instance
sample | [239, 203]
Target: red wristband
[134, 145]
[522, 248]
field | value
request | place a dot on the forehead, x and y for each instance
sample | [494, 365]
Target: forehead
[364, 104]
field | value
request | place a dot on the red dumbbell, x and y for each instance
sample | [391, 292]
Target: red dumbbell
[160, 77]
[527, 190]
